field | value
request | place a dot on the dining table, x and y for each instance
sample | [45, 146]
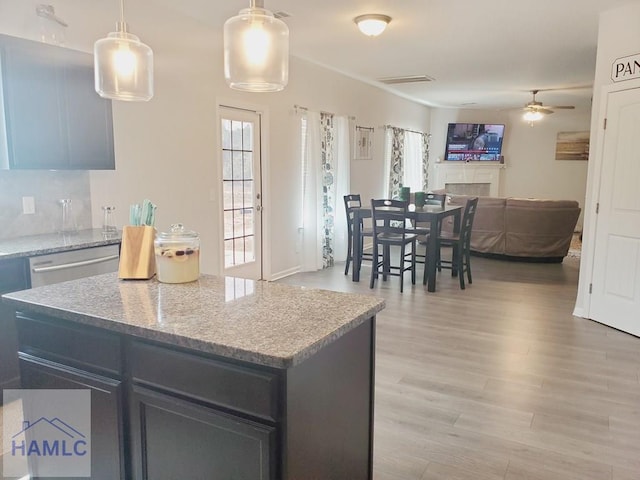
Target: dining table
[431, 214]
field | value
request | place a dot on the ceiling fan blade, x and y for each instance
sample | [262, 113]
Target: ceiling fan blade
[562, 107]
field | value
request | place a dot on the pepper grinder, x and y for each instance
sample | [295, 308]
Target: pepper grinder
[68, 224]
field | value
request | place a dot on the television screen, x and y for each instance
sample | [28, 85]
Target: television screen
[474, 142]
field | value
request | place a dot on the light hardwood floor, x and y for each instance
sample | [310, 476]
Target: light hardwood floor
[498, 381]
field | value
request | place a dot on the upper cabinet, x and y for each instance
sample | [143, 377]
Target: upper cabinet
[53, 118]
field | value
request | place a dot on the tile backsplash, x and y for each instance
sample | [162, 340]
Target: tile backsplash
[47, 188]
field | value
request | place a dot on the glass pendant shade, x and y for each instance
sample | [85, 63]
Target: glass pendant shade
[123, 67]
[256, 51]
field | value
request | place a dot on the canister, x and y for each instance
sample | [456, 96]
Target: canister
[177, 255]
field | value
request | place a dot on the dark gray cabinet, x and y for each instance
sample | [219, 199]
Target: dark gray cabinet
[13, 277]
[161, 412]
[55, 355]
[107, 459]
[53, 117]
[175, 438]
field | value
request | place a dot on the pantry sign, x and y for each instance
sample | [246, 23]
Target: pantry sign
[626, 68]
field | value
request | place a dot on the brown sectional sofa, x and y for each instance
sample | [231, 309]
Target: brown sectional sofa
[521, 228]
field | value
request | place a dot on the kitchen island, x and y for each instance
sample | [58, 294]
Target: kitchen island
[218, 378]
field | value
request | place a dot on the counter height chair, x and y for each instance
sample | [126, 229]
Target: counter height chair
[430, 199]
[352, 202]
[422, 229]
[461, 246]
[389, 230]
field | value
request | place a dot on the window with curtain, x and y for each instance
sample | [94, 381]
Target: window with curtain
[324, 140]
[406, 160]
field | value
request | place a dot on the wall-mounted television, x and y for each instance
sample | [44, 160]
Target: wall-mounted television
[468, 142]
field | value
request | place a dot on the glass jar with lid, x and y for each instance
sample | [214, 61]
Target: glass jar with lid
[177, 255]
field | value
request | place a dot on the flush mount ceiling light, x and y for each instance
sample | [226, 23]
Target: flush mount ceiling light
[372, 24]
[123, 65]
[256, 50]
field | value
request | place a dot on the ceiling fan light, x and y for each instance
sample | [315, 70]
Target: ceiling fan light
[532, 116]
[372, 24]
[256, 51]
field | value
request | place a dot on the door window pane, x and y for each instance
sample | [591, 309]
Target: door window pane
[238, 192]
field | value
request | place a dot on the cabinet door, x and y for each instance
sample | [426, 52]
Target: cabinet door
[107, 458]
[54, 118]
[88, 116]
[173, 438]
[36, 137]
[13, 277]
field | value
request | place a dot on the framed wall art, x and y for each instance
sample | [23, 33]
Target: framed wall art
[363, 143]
[572, 146]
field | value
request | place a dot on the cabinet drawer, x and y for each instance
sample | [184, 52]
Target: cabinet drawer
[230, 386]
[71, 344]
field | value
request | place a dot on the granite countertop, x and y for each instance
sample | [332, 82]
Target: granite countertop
[260, 322]
[32, 245]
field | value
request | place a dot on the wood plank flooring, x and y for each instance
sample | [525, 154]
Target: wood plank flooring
[498, 381]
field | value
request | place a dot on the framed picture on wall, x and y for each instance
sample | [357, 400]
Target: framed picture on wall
[363, 143]
[572, 146]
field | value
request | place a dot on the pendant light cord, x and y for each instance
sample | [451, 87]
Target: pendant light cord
[122, 25]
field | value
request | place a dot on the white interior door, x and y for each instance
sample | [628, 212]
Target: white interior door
[242, 193]
[615, 297]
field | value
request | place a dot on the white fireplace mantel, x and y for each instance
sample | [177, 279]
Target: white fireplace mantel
[467, 173]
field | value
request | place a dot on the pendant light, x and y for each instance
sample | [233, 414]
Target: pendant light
[123, 65]
[256, 50]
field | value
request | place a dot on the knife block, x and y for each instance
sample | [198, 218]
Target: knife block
[137, 258]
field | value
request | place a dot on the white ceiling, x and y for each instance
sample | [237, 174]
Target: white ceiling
[482, 54]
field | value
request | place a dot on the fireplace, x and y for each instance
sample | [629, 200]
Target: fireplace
[467, 178]
[473, 189]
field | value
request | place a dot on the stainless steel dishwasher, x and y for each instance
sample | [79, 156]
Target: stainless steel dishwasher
[73, 264]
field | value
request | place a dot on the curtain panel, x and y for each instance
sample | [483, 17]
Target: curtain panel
[325, 166]
[395, 155]
[406, 161]
[426, 138]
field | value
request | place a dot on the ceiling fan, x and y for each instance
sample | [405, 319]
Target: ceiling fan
[535, 110]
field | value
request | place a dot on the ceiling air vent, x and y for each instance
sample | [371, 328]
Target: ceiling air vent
[281, 15]
[406, 79]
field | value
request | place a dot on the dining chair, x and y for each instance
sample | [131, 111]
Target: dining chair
[389, 230]
[460, 242]
[422, 229]
[352, 202]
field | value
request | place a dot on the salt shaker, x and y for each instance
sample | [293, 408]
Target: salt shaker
[108, 225]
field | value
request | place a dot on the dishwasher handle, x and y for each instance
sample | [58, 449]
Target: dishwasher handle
[65, 266]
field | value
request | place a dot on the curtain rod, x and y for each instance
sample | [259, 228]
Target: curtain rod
[306, 109]
[407, 130]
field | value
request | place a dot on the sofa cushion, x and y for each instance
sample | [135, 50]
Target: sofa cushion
[488, 232]
[539, 228]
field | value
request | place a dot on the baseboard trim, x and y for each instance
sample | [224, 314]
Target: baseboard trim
[284, 273]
